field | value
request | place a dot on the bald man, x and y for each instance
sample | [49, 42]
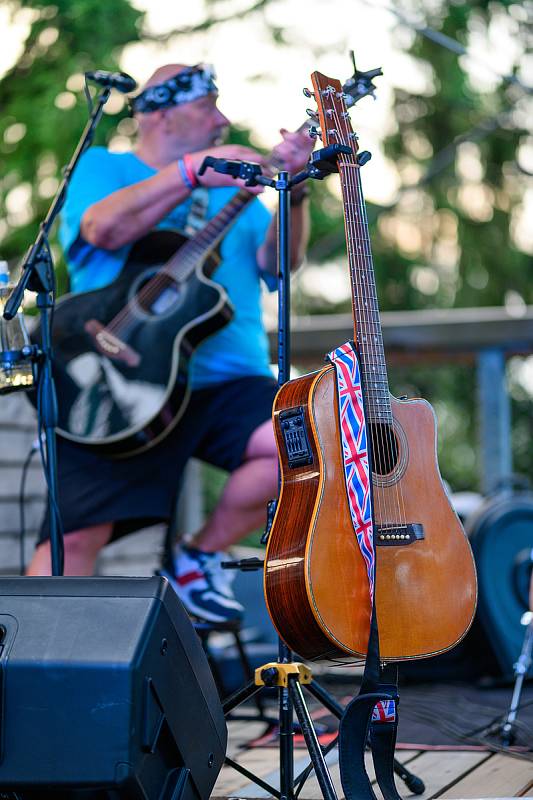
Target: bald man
[115, 199]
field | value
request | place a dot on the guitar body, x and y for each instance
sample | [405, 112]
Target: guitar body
[316, 583]
[120, 390]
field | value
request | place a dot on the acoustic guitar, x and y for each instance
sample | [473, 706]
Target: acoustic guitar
[316, 583]
[122, 353]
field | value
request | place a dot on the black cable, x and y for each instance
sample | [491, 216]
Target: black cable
[475, 736]
[41, 437]
[22, 517]
[44, 461]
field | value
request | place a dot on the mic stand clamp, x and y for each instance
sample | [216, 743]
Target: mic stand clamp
[37, 274]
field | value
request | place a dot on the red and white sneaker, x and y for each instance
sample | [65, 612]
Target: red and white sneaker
[203, 586]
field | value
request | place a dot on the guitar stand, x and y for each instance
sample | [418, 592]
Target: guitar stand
[286, 675]
[292, 676]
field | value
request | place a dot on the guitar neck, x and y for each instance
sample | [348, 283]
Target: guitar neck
[207, 238]
[367, 325]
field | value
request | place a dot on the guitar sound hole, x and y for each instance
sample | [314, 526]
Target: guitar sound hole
[158, 294]
[385, 450]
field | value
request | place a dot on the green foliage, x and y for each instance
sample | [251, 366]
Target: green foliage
[477, 185]
[444, 242]
[43, 106]
[465, 207]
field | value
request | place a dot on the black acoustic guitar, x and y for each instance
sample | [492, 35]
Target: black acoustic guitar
[122, 353]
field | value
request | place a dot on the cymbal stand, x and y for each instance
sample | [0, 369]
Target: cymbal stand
[507, 730]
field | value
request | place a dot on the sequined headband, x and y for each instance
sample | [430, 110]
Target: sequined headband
[192, 83]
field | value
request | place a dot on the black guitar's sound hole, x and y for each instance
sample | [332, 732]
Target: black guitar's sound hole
[385, 449]
[157, 294]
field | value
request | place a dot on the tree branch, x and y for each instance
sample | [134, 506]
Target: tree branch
[202, 26]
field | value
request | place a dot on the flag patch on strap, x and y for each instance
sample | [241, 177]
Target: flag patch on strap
[384, 711]
[355, 452]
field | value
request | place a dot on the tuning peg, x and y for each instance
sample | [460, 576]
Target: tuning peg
[314, 132]
[363, 157]
[311, 113]
[308, 92]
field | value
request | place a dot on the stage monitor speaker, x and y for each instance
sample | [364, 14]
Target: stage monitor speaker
[105, 693]
[501, 535]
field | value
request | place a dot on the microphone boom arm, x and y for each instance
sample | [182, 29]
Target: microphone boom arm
[38, 275]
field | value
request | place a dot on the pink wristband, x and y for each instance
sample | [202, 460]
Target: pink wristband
[191, 174]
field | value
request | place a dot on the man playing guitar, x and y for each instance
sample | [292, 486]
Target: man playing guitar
[114, 200]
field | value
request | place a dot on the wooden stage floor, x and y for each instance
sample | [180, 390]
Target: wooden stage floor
[450, 774]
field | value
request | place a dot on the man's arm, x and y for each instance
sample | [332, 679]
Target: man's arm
[129, 213]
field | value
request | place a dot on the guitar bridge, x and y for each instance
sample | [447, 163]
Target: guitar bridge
[297, 447]
[394, 535]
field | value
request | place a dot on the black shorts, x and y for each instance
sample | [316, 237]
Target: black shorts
[141, 490]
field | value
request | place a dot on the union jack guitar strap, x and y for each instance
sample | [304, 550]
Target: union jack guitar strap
[372, 716]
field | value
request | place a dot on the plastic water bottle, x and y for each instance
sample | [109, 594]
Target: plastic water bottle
[16, 370]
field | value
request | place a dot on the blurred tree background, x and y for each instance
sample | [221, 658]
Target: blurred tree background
[44, 109]
[461, 154]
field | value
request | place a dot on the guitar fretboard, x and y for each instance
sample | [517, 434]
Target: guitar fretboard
[367, 325]
[205, 240]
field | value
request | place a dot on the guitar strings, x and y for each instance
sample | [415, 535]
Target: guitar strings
[363, 283]
[390, 434]
[180, 266]
[354, 240]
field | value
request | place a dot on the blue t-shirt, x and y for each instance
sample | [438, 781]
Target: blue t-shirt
[241, 347]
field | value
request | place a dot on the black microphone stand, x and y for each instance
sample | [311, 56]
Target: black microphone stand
[287, 675]
[38, 276]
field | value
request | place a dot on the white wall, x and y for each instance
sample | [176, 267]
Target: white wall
[137, 554]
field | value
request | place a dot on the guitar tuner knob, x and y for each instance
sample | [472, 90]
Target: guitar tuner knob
[314, 132]
[308, 92]
[363, 157]
[311, 113]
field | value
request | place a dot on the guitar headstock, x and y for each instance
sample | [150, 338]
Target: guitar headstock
[355, 88]
[360, 84]
[332, 113]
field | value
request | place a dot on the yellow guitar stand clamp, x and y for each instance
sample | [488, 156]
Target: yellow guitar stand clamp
[276, 674]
